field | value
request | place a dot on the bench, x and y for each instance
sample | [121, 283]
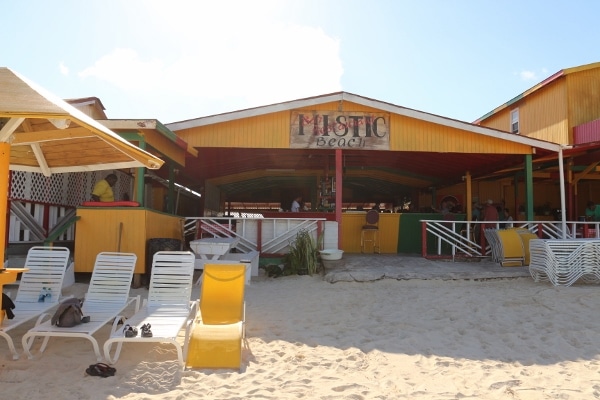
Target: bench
[250, 259]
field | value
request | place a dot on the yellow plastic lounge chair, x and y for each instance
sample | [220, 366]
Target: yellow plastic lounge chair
[219, 330]
[168, 308]
[105, 300]
[512, 252]
[526, 236]
[47, 267]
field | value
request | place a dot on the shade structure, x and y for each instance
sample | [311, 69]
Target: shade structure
[40, 132]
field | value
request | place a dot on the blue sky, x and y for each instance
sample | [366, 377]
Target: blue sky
[177, 60]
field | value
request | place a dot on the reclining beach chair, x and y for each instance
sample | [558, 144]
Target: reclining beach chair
[106, 298]
[564, 262]
[510, 249]
[219, 329]
[168, 308]
[47, 267]
[526, 236]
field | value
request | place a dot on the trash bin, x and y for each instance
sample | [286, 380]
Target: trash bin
[159, 244]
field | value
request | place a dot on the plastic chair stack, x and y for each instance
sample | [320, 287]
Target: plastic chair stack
[507, 247]
[564, 262]
[510, 247]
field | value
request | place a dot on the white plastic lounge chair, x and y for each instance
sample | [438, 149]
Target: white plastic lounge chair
[47, 267]
[106, 298]
[564, 262]
[219, 329]
[168, 308]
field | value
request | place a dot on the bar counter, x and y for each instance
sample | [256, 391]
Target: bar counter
[329, 216]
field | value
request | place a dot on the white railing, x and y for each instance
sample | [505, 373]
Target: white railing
[26, 222]
[463, 238]
[266, 235]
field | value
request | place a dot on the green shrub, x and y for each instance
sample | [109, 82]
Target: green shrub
[302, 257]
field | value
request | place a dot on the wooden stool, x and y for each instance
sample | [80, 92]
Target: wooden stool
[370, 231]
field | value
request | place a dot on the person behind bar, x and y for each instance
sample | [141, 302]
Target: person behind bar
[592, 211]
[296, 204]
[103, 189]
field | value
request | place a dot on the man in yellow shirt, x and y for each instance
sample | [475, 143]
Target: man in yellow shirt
[103, 189]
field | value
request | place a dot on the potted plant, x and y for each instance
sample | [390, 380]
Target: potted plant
[302, 257]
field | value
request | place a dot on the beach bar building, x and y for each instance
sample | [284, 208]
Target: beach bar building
[344, 154]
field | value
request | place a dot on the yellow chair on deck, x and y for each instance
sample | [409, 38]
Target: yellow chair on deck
[511, 251]
[219, 330]
[526, 236]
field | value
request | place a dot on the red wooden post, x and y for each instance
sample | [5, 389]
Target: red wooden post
[259, 235]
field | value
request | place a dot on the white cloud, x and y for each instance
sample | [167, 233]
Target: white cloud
[215, 54]
[528, 75]
[63, 69]
[125, 69]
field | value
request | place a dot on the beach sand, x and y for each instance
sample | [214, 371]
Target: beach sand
[388, 339]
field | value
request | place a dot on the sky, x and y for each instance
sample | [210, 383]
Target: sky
[178, 60]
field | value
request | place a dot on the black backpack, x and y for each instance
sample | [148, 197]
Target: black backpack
[68, 313]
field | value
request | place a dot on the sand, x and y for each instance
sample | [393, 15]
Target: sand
[388, 339]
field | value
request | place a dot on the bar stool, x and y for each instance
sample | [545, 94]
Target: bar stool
[370, 231]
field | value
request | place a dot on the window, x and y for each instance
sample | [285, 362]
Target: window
[514, 121]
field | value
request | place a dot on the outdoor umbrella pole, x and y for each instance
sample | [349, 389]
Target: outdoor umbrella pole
[4, 186]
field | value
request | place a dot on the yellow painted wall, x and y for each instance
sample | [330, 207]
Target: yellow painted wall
[406, 134]
[99, 229]
[584, 96]
[263, 131]
[551, 112]
[543, 114]
[389, 227]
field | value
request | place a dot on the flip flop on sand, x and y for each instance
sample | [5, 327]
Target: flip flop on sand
[101, 369]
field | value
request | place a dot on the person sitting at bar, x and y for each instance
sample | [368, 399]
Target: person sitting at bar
[103, 189]
[490, 213]
[296, 204]
[592, 211]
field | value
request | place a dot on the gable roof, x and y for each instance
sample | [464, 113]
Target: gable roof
[263, 174]
[545, 82]
[365, 101]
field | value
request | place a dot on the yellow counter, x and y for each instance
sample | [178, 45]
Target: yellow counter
[125, 229]
[352, 223]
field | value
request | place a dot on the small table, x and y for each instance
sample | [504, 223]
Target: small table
[213, 248]
[8, 275]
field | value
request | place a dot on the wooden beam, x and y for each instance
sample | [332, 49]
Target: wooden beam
[51, 135]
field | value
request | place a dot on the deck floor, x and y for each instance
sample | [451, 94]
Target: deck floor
[371, 267]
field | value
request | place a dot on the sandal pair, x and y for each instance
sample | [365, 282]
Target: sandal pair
[146, 332]
[130, 331]
[100, 369]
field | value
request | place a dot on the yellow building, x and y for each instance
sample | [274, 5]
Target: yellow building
[342, 151]
[564, 109]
